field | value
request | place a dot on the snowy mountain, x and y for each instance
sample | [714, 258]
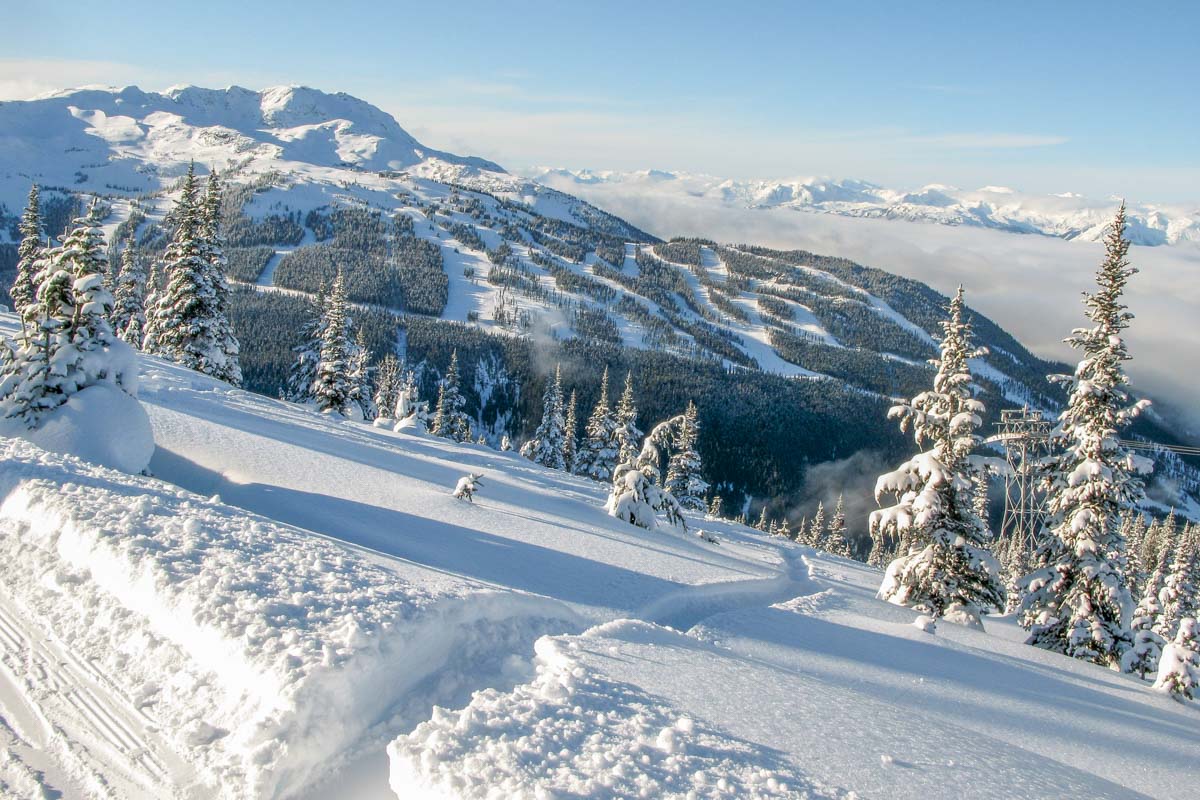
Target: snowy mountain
[1066, 215]
[295, 607]
[439, 248]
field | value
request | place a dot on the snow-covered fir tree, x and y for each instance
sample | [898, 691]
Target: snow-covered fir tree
[1178, 597]
[303, 373]
[387, 386]
[838, 544]
[1133, 531]
[571, 439]
[1077, 601]
[68, 344]
[637, 496]
[817, 534]
[129, 299]
[362, 398]
[332, 386]
[683, 473]
[1143, 656]
[1179, 667]
[599, 448]
[449, 419]
[549, 440]
[716, 507]
[186, 320]
[627, 433]
[212, 241]
[763, 522]
[29, 251]
[944, 567]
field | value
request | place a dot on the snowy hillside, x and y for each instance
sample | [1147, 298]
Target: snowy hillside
[1067, 215]
[295, 606]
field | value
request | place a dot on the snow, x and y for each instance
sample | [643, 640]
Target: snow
[296, 605]
[101, 424]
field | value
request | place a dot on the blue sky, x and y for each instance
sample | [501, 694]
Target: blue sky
[1095, 97]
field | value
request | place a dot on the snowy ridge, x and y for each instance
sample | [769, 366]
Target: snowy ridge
[284, 647]
[1066, 215]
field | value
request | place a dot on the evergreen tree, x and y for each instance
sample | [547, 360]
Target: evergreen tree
[817, 528]
[839, 545]
[387, 386]
[599, 449]
[636, 495]
[129, 303]
[944, 567]
[332, 387]
[549, 440]
[227, 368]
[186, 321]
[716, 508]
[1177, 598]
[68, 344]
[303, 374]
[627, 433]
[361, 396]
[683, 473]
[1147, 646]
[450, 421]
[763, 523]
[1077, 601]
[1179, 667]
[1133, 531]
[29, 252]
[571, 441]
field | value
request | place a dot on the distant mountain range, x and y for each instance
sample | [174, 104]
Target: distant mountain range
[1067, 215]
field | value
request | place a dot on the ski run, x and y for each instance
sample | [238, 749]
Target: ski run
[295, 605]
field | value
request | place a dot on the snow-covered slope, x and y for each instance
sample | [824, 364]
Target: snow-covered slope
[1067, 215]
[291, 593]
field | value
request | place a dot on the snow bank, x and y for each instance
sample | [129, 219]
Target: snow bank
[575, 731]
[101, 424]
[260, 652]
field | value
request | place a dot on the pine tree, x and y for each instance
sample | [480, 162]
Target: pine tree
[387, 386]
[716, 508]
[303, 374]
[1178, 597]
[763, 522]
[944, 568]
[636, 495]
[1143, 656]
[1077, 601]
[839, 545]
[186, 321]
[361, 396]
[1179, 667]
[599, 449]
[547, 445]
[332, 385]
[29, 252]
[683, 473]
[627, 433]
[227, 368]
[571, 441]
[1133, 531]
[67, 345]
[816, 534]
[450, 421]
[129, 303]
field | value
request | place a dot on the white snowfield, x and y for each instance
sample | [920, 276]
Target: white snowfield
[293, 602]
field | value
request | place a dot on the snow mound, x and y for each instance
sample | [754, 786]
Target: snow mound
[253, 654]
[576, 732]
[101, 424]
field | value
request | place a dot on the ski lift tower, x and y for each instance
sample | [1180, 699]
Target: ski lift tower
[1025, 434]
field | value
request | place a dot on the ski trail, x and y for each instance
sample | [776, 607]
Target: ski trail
[63, 705]
[689, 607]
[267, 276]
